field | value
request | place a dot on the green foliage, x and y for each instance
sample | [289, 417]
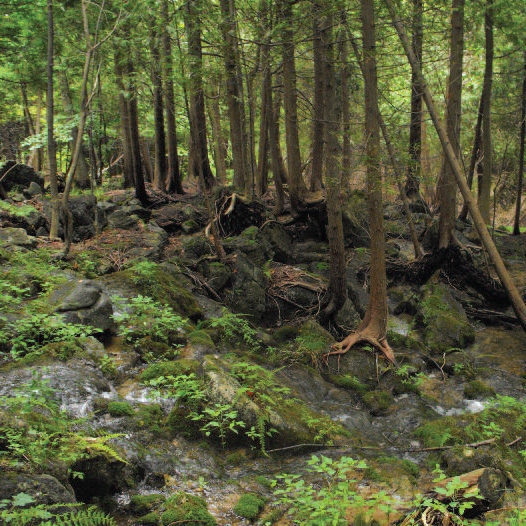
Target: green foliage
[233, 328]
[18, 210]
[11, 296]
[142, 504]
[20, 510]
[31, 333]
[34, 430]
[142, 316]
[120, 409]
[329, 498]
[249, 506]
[183, 508]
[220, 419]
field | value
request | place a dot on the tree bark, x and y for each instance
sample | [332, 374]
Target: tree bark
[318, 124]
[520, 175]
[412, 186]
[220, 142]
[174, 183]
[297, 188]
[196, 95]
[160, 172]
[373, 328]
[50, 112]
[236, 109]
[515, 298]
[485, 181]
[447, 188]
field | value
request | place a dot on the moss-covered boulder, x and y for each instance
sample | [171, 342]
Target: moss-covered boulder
[443, 321]
[184, 508]
[252, 244]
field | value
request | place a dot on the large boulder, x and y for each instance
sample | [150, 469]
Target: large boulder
[443, 321]
[17, 237]
[14, 175]
[44, 489]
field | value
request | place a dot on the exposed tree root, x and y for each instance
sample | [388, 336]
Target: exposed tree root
[362, 335]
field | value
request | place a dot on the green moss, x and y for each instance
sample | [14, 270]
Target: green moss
[187, 509]
[149, 519]
[348, 382]
[285, 334]
[202, 338]
[149, 416]
[172, 368]
[478, 390]
[141, 504]
[151, 350]
[179, 423]
[120, 409]
[249, 506]
[378, 401]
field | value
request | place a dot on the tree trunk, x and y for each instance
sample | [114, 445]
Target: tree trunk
[174, 180]
[297, 188]
[219, 141]
[412, 186]
[345, 97]
[373, 328]
[520, 175]
[475, 156]
[234, 94]
[82, 179]
[196, 96]
[160, 172]
[485, 182]
[447, 187]
[318, 125]
[50, 109]
[515, 298]
[333, 179]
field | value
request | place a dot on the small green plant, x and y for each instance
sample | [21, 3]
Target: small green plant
[333, 494]
[120, 409]
[21, 510]
[233, 327]
[20, 210]
[11, 295]
[219, 418]
[143, 271]
[142, 316]
[31, 333]
[34, 430]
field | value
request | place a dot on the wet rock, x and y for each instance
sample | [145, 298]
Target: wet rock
[44, 489]
[251, 244]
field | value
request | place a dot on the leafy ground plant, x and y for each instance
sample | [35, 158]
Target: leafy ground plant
[143, 316]
[332, 497]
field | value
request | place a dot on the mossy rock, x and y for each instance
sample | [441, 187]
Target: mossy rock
[178, 423]
[158, 283]
[313, 341]
[218, 274]
[478, 390]
[171, 368]
[150, 417]
[142, 504]
[201, 338]
[150, 519]
[120, 409]
[444, 322]
[378, 402]
[187, 509]
[285, 334]
[249, 506]
[150, 350]
[348, 381]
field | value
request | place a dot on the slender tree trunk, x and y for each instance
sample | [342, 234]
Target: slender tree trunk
[196, 95]
[220, 143]
[234, 95]
[297, 188]
[515, 298]
[263, 153]
[318, 125]
[520, 175]
[82, 179]
[373, 327]
[412, 186]
[485, 182]
[333, 179]
[475, 156]
[346, 97]
[160, 173]
[447, 188]
[174, 183]
[50, 111]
